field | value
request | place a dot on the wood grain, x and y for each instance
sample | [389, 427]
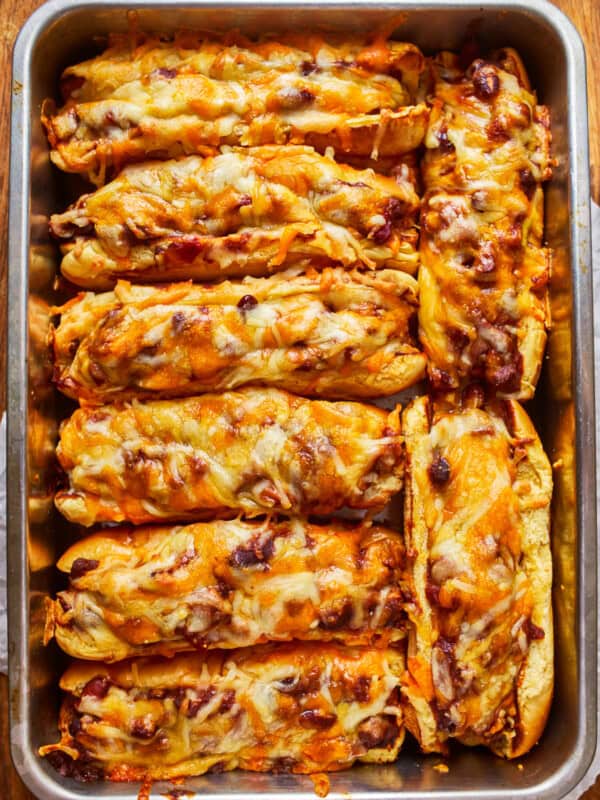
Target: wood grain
[586, 16]
[584, 13]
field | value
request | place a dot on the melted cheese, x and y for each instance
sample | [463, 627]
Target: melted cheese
[473, 595]
[228, 584]
[243, 212]
[128, 104]
[484, 273]
[314, 334]
[235, 58]
[298, 708]
[255, 450]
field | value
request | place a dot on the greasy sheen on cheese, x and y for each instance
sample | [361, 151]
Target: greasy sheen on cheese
[297, 707]
[242, 212]
[334, 333]
[228, 583]
[484, 274]
[156, 99]
[253, 450]
[477, 516]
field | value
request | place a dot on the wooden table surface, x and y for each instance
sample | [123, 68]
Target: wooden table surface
[584, 13]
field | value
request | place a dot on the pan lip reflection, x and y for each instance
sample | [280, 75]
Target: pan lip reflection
[41, 27]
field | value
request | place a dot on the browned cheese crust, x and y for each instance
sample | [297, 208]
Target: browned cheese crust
[247, 211]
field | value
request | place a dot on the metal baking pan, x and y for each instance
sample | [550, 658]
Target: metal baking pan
[63, 32]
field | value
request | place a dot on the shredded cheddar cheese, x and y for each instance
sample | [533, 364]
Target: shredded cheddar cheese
[292, 708]
[228, 584]
[255, 450]
[314, 334]
[178, 98]
[242, 212]
[484, 274]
